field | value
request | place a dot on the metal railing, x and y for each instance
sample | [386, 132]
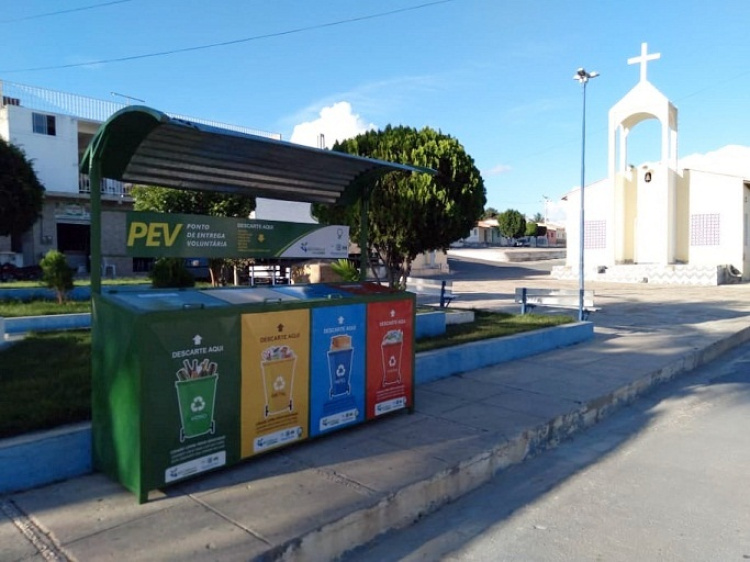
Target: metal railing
[109, 187]
[91, 109]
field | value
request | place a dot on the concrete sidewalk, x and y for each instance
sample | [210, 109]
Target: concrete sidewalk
[315, 500]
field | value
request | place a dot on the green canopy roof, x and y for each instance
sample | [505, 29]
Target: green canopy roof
[145, 146]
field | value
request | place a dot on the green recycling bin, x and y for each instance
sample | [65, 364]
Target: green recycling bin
[196, 398]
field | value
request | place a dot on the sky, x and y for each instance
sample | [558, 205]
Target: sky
[497, 75]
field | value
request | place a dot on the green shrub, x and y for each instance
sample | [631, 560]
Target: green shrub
[171, 272]
[345, 269]
[57, 274]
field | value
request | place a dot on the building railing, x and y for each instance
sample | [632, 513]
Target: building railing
[91, 109]
[108, 187]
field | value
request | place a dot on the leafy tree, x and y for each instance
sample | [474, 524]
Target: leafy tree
[410, 214]
[490, 213]
[538, 217]
[21, 193]
[166, 200]
[531, 229]
[57, 274]
[511, 224]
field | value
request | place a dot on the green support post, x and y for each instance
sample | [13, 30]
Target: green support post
[95, 180]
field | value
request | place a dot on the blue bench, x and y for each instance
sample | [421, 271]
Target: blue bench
[432, 287]
[555, 298]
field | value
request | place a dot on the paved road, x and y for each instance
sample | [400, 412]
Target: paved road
[472, 269]
[665, 480]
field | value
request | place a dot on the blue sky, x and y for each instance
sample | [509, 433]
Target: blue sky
[495, 74]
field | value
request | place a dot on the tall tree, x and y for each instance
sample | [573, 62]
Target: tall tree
[166, 200]
[21, 192]
[511, 224]
[410, 214]
[490, 213]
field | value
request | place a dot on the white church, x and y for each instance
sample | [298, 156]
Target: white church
[681, 222]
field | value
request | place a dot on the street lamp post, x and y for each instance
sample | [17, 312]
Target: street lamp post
[583, 77]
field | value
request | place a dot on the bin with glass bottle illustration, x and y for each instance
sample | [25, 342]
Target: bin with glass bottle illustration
[196, 396]
[391, 349]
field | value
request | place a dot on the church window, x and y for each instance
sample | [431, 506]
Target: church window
[595, 235]
[705, 230]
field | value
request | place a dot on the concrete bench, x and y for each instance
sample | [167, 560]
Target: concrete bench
[432, 287]
[555, 298]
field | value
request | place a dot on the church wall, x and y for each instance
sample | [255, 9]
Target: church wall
[682, 217]
[598, 228]
[716, 219]
[625, 204]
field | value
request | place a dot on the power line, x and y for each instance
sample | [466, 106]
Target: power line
[236, 41]
[59, 12]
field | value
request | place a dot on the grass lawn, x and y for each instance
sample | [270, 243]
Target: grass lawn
[46, 378]
[46, 382]
[13, 309]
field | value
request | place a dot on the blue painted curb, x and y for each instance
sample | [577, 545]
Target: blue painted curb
[24, 324]
[34, 293]
[40, 459]
[441, 363]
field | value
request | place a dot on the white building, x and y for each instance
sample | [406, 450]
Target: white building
[54, 129]
[672, 221]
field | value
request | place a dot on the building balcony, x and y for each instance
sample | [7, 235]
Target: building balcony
[112, 188]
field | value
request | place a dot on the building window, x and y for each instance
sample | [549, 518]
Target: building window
[595, 235]
[44, 124]
[705, 229]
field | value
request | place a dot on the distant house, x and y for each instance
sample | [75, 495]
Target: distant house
[485, 233]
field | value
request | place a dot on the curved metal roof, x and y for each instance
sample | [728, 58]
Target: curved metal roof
[145, 146]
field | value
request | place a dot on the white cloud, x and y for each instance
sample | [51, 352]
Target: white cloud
[336, 122]
[557, 212]
[497, 170]
[731, 159]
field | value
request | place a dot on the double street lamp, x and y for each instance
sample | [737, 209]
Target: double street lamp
[583, 78]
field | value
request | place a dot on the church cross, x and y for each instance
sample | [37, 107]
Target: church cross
[643, 59]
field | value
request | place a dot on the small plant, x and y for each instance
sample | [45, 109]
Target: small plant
[171, 272]
[345, 269]
[57, 274]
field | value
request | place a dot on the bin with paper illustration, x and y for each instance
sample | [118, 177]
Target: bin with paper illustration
[278, 364]
[391, 348]
[340, 366]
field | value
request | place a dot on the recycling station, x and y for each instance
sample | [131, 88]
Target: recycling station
[185, 381]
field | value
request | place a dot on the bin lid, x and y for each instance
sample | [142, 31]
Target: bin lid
[312, 291]
[365, 288]
[259, 295]
[160, 300]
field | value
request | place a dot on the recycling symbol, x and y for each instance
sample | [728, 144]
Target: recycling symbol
[340, 370]
[198, 404]
[392, 361]
[279, 384]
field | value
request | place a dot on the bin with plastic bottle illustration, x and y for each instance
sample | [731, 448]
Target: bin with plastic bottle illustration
[278, 365]
[340, 366]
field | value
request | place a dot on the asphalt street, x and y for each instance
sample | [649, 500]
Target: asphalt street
[666, 479]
